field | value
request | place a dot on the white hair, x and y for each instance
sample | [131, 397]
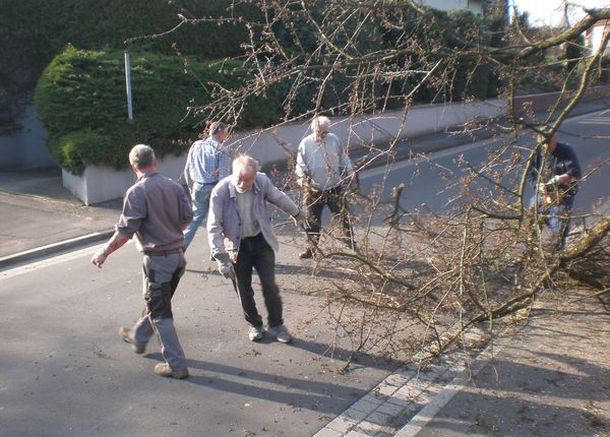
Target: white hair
[319, 121]
[243, 162]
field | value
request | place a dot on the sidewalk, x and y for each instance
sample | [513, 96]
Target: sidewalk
[41, 217]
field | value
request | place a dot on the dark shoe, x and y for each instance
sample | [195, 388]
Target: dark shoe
[163, 369]
[125, 334]
[307, 254]
[281, 333]
[255, 333]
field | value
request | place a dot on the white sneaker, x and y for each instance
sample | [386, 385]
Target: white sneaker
[255, 333]
[281, 333]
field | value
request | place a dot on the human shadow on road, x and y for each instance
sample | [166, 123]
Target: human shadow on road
[284, 270]
[303, 392]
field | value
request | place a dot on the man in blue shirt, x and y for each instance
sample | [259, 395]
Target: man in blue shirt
[555, 173]
[206, 164]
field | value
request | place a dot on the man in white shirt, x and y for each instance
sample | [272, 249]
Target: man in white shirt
[323, 170]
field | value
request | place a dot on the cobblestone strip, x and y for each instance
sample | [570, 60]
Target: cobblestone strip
[397, 399]
[462, 379]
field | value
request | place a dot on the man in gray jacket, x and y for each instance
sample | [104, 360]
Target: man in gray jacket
[238, 215]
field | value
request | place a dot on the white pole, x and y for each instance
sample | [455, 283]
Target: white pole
[128, 86]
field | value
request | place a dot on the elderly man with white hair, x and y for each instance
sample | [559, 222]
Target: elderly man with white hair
[324, 171]
[241, 238]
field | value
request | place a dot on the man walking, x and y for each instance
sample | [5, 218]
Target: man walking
[323, 170]
[238, 215]
[206, 164]
[555, 173]
[156, 209]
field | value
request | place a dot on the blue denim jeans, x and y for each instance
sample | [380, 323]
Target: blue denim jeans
[200, 197]
[557, 216]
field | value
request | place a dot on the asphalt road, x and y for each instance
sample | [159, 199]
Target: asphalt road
[426, 180]
[64, 371]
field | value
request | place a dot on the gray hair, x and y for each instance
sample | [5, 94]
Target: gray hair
[217, 126]
[245, 162]
[141, 156]
[319, 121]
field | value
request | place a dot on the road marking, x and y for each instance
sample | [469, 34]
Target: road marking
[596, 121]
[427, 158]
[456, 150]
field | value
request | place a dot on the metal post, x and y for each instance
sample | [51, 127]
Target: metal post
[128, 86]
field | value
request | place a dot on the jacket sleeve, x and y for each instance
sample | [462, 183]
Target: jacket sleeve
[346, 163]
[186, 208]
[187, 174]
[275, 196]
[572, 165]
[301, 169]
[214, 224]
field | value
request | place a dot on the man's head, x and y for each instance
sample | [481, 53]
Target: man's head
[548, 141]
[320, 127]
[219, 130]
[142, 158]
[244, 173]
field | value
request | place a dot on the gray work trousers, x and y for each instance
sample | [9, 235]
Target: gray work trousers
[161, 275]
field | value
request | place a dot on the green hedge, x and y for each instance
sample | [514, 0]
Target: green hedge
[80, 98]
[32, 32]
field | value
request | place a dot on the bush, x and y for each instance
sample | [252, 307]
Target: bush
[32, 32]
[80, 98]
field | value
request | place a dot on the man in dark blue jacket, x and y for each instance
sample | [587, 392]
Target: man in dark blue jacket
[555, 173]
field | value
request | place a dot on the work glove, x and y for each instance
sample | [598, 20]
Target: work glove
[225, 267]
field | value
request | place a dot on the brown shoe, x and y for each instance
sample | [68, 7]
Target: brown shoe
[125, 334]
[163, 369]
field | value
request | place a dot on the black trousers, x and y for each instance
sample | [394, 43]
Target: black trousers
[255, 253]
[314, 204]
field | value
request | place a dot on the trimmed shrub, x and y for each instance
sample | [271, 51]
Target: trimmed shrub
[80, 98]
[32, 32]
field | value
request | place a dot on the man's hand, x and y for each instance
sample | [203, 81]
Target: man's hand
[225, 267]
[99, 258]
[301, 219]
[555, 180]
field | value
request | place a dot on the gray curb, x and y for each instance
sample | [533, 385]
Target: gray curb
[49, 249]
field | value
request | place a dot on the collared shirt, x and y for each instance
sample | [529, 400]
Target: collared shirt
[155, 209]
[206, 162]
[562, 160]
[224, 222]
[325, 162]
